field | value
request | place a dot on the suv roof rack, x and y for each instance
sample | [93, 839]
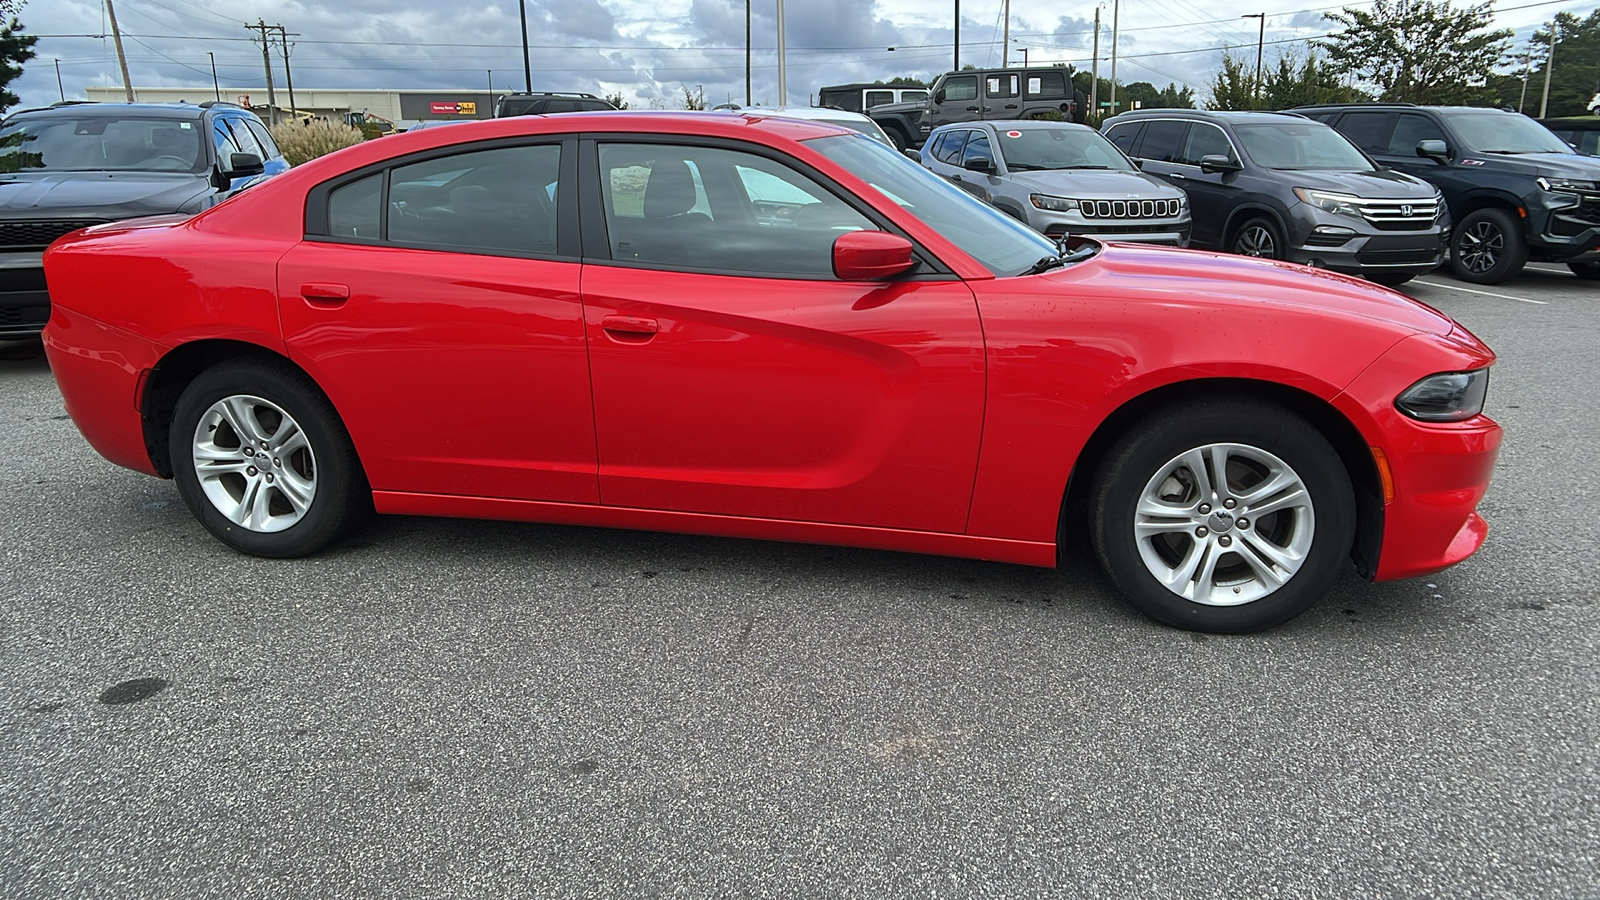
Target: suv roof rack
[70, 103]
[581, 96]
[207, 104]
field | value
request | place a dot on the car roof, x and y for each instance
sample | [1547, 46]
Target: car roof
[153, 110]
[812, 113]
[1208, 115]
[1409, 106]
[1016, 124]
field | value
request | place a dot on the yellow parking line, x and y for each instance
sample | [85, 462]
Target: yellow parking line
[1451, 287]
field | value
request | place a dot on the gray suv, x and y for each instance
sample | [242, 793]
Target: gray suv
[1286, 187]
[1061, 179]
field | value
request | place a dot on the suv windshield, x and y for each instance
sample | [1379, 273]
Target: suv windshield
[1025, 149]
[100, 142]
[1300, 145]
[1500, 132]
[1000, 243]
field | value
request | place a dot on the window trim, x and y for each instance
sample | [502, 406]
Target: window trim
[597, 239]
[567, 223]
[1191, 123]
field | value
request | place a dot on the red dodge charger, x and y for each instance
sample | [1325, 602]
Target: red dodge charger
[772, 329]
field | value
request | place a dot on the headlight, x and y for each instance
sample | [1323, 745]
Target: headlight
[1566, 185]
[1446, 397]
[1341, 204]
[1054, 204]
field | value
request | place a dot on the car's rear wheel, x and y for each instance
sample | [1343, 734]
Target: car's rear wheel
[1487, 247]
[1261, 238]
[1586, 270]
[263, 461]
[1226, 516]
[897, 139]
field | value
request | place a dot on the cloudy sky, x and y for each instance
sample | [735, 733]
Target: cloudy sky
[645, 49]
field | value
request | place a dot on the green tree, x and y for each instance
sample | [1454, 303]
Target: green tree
[1575, 78]
[693, 99]
[904, 81]
[1418, 51]
[616, 100]
[1234, 86]
[16, 48]
[1293, 82]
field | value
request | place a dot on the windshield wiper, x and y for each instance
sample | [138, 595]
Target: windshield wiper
[1025, 167]
[1085, 167]
[1064, 258]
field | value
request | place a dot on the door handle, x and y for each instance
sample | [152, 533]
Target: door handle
[1177, 175]
[630, 328]
[955, 177]
[1011, 106]
[972, 109]
[323, 293]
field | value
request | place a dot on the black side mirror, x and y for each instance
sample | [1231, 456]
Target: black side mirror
[913, 155]
[244, 165]
[1434, 150]
[938, 96]
[1217, 162]
[979, 164]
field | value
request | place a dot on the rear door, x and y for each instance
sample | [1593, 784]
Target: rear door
[978, 146]
[1002, 95]
[436, 301]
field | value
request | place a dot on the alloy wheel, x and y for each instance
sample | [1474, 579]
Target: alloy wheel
[254, 463]
[1256, 240]
[1480, 245]
[1224, 524]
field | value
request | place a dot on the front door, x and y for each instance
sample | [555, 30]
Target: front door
[447, 326]
[734, 374]
[956, 100]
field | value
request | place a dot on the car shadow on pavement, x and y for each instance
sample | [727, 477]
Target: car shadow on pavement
[30, 351]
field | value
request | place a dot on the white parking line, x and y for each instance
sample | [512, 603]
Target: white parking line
[1451, 287]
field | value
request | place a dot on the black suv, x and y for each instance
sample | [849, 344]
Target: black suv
[1516, 191]
[78, 164]
[547, 102]
[1285, 187]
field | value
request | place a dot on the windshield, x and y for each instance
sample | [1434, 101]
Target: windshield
[1000, 243]
[1499, 132]
[101, 142]
[1027, 149]
[1300, 145]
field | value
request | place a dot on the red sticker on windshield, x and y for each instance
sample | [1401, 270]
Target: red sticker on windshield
[1013, 134]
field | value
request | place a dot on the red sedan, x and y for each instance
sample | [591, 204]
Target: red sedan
[764, 328]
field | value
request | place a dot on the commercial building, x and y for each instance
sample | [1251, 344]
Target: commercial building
[400, 107]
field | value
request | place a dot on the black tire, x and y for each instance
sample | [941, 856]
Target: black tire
[1389, 279]
[1252, 427]
[1259, 237]
[1487, 247]
[896, 139]
[341, 498]
[1586, 270]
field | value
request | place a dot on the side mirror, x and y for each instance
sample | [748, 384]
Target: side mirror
[1217, 162]
[244, 165]
[1434, 150]
[913, 155]
[979, 164]
[870, 255]
[938, 96]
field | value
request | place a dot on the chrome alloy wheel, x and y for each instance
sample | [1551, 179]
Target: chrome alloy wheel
[1224, 524]
[1256, 240]
[254, 463]
[1479, 246]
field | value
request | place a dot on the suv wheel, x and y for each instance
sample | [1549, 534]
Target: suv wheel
[896, 138]
[1260, 238]
[1586, 270]
[1487, 247]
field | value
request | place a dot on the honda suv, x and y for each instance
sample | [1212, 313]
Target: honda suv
[1285, 187]
[1516, 191]
[77, 164]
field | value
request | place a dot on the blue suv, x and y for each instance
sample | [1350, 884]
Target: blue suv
[74, 164]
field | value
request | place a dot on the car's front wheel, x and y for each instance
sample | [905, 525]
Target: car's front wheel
[1226, 516]
[896, 139]
[1487, 247]
[263, 461]
[1261, 238]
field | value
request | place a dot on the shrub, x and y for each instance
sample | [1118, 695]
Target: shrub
[317, 137]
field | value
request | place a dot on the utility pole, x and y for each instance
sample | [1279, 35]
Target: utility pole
[1527, 69]
[527, 67]
[1261, 41]
[1115, 9]
[122, 58]
[783, 74]
[1549, 65]
[216, 86]
[266, 60]
[955, 66]
[1094, 71]
[63, 90]
[288, 74]
[747, 100]
[1005, 36]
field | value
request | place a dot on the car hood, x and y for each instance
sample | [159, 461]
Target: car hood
[1203, 277]
[1096, 184]
[1384, 184]
[100, 195]
[1562, 165]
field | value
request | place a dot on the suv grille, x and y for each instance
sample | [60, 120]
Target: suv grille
[21, 235]
[1399, 215]
[1130, 209]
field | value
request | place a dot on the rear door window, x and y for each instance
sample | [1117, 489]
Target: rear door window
[485, 201]
[950, 150]
[1000, 86]
[1371, 131]
[356, 209]
[1163, 140]
[1126, 137]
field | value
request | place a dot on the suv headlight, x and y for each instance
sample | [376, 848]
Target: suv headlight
[1054, 204]
[1566, 185]
[1340, 204]
[1446, 397]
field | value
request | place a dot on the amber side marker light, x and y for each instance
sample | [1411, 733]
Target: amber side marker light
[1384, 475]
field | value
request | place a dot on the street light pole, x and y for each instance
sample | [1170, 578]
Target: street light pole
[783, 74]
[216, 86]
[1261, 42]
[747, 96]
[1005, 37]
[955, 65]
[527, 67]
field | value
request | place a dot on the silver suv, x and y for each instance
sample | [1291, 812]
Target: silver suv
[1059, 178]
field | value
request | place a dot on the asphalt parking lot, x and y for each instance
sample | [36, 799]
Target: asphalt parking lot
[475, 709]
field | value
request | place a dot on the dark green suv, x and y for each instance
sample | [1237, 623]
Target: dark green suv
[1516, 192]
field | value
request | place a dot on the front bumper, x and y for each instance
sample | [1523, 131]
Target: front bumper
[24, 302]
[1172, 232]
[1367, 250]
[1563, 236]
